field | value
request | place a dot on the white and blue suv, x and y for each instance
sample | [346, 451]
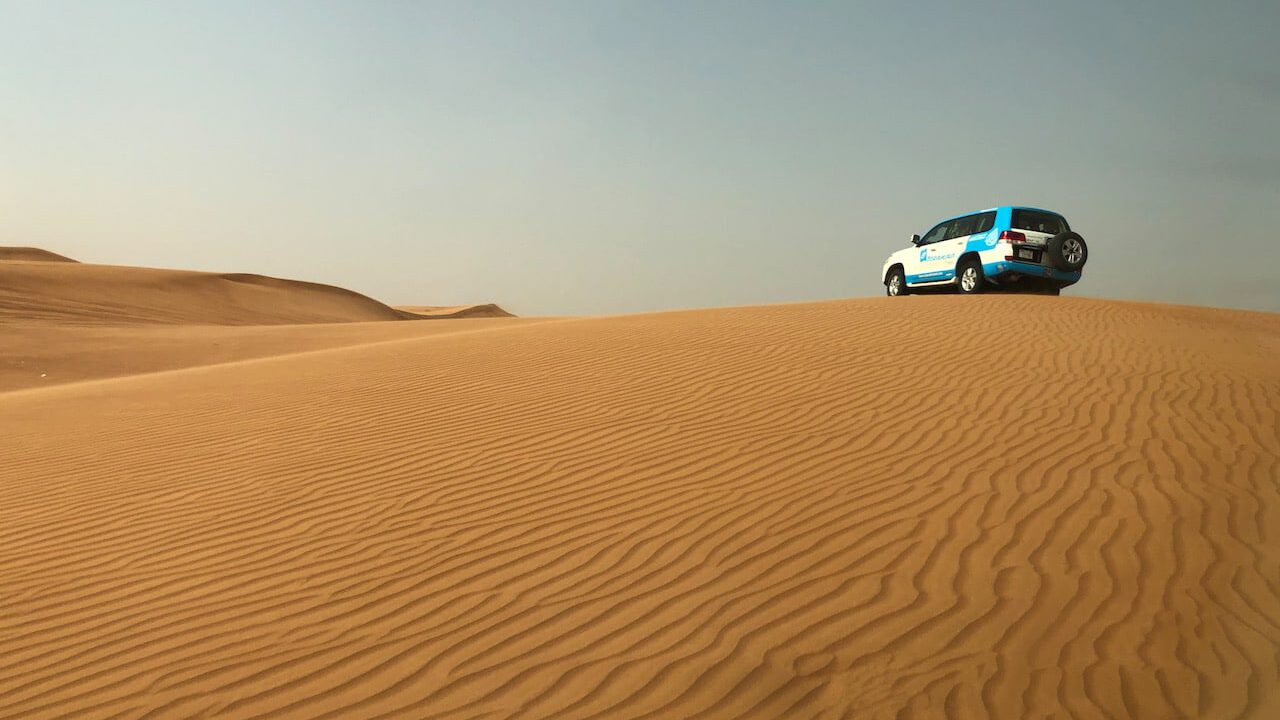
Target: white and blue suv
[1015, 248]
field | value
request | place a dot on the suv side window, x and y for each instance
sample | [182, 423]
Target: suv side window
[938, 233]
[961, 227]
[1037, 221]
[985, 222]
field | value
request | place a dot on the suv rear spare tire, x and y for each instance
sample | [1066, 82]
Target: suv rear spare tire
[1067, 251]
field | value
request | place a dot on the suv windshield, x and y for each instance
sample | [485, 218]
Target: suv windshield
[1037, 221]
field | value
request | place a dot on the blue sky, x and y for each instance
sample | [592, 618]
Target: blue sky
[608, 157]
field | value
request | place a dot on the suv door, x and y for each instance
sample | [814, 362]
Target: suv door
[938, 258]
[916, 262]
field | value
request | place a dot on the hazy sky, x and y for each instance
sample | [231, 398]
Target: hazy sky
[607, 157]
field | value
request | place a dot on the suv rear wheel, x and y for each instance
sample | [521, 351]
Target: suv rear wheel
[971, 278]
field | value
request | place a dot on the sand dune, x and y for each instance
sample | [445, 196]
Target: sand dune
[72, 322]
[488, 310]
[715, 513]
[34, 290]
[87, 294]
[30, 254]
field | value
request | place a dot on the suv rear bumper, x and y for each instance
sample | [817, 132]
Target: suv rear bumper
[1010, 269]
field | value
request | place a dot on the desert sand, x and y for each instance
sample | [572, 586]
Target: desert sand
[241, 499]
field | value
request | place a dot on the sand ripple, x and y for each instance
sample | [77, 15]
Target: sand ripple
[926, 507]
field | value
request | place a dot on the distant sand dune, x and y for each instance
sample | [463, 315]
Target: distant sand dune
[33, 288]
[30, 254]
[61, 321]
[488, 310]
[913, 507]
[74, 292]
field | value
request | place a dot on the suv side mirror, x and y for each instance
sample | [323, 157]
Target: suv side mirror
[915, 239]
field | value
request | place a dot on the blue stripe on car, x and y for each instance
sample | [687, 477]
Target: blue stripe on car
[933, 276]
[1005, 267]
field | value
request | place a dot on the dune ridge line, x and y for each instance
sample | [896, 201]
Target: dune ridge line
[72, 292]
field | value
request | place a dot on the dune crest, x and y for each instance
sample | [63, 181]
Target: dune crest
[92, 294]
[30, 254]
[69, 292]
[712, 513]
[487, 310]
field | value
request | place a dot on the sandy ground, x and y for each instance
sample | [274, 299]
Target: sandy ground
[911, 507]
[44, 354]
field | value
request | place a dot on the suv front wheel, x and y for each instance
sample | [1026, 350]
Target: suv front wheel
[896, 283]
[970, 278]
